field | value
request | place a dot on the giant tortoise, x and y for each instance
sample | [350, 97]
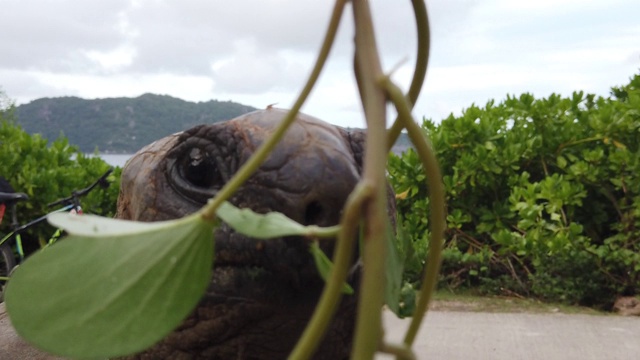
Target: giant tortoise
[262, 292]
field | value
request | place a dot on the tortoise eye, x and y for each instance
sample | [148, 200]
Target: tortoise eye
[199, 169]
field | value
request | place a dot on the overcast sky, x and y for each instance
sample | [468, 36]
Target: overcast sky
[259, 52]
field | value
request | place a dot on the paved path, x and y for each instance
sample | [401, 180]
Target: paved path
[452, 335]
[455, 335]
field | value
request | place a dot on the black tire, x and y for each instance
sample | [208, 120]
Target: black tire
[7, 261]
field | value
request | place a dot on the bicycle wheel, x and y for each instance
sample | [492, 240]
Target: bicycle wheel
[7, 262]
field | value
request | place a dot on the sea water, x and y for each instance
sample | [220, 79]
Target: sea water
[116, 159]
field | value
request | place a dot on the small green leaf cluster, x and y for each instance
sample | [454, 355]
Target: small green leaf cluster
[47, 171]
[543, 195]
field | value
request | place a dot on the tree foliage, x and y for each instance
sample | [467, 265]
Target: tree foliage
[47, 172]
[543, 195]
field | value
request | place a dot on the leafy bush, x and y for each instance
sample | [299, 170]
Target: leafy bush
[543, 195]
[47, 172]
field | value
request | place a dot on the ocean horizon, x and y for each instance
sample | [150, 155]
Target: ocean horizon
[121, 159]
[116, 159]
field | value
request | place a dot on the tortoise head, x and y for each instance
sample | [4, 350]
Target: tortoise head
[262, 292]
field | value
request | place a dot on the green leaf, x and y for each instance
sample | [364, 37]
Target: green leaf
[562, 162]
[97, 226]
[91, 296]
[403, 239]
[394, 269]
[271, 225]
[324, 265]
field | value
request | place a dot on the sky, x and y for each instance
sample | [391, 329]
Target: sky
[260, 52]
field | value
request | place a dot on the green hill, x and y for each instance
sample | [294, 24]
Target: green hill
[120, 125]
[124, 125]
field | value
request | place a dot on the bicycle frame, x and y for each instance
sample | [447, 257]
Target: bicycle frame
[70, 203]
[17, 232]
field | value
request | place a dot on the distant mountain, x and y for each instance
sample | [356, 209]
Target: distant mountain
[124, 125]
[402, 144]
[120, 125]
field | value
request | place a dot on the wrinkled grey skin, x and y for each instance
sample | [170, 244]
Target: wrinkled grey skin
[262, 293]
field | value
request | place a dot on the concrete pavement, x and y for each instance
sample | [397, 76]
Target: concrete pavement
[456, 335]
[453, 335]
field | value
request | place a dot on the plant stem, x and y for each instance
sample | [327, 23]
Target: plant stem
[420, 71]
[209, 210]
[317, 326]
[369, 322]
[424, 42]
[400, 351]
[436, 199]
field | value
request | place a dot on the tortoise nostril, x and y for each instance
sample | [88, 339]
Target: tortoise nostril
[314, 214]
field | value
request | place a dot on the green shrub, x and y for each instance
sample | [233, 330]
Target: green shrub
[543, 195]
[47, 172]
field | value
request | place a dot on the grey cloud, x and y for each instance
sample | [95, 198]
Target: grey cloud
[257, 48]
[21, 85]
[49, 34]
[252, 73]
[396, 28]
[187, 36]
[183, 37]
